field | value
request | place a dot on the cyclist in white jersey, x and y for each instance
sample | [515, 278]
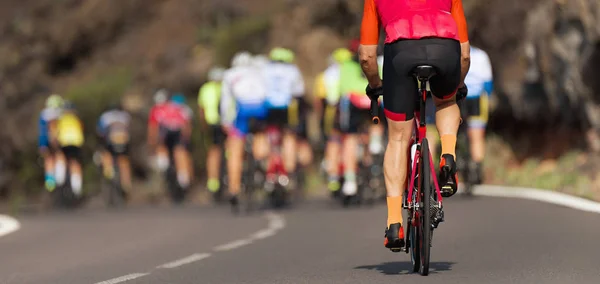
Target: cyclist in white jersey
[242, 101]
[479, 81]
[113, 132]
[285, 90]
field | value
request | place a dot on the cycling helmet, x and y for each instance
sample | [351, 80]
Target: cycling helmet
[341, 55]
[242, 58]
[280, 54]
[178, 98]
[260, 60]
[216, 74]
[291, 56]
[161, 96]
[54, 101]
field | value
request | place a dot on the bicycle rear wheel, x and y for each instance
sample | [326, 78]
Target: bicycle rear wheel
[425, 220]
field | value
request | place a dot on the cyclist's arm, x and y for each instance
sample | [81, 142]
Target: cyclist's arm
[465, 47]
[201, 116]
[369, 39]
[227, 104]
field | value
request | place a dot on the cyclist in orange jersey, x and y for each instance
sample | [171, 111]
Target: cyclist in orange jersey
[431, 33]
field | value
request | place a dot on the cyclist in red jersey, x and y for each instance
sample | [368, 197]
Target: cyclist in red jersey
[158, 149]
[418, 32]
[175, 119]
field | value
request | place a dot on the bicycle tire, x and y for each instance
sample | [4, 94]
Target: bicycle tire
[413, 242]
[425, 220]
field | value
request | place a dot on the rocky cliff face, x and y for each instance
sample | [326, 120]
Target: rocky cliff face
[545, 55]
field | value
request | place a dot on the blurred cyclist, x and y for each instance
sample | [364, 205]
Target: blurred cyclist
[175, 121]
[327, 98]
[209, 97]
[479, 81]
[70, 139]
[285, 90]
[242, 101]
[155, 141]
[353, 113]
[47, 133]
[113, 132]
[417, 32]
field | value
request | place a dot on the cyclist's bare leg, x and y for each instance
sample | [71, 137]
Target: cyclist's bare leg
[76, 175]
[260, 146]
[447, 120]
[289, 151]
[213, 162]
[60, 167]
[305, 154]
[162, 157]
[477, 143]
[182, 165]
[234, 163]
[376, 133]
[107, 163]
[332, 157]
[395, 166]
[349, 154]
[48, 163]
[125, 170]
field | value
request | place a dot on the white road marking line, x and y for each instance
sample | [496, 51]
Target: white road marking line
[233, 245]
[276, 223]
[263, 234]
[539, 195]
[8, 225]
[186, 260]
[123, 278]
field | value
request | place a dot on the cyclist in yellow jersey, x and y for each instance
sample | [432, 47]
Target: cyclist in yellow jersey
[208, 102]
[70, 139]
[47, 133]
[327, 95]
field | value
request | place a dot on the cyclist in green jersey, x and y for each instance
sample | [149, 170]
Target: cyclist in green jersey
[208, 103]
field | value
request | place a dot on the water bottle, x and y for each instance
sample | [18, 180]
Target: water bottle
[413, 151]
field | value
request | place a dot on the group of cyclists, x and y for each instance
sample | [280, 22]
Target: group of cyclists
[61, 139]
[262, 91]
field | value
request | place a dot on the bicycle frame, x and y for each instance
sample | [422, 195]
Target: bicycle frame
[420, 133]
[275, 167]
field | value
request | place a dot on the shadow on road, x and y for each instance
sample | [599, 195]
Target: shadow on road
[405, 267]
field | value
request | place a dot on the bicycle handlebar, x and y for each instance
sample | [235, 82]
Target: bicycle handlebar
[374, 96]
[375, 111]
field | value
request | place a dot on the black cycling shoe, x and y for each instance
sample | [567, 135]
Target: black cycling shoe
[235, 204]
[394, 237]
[448, 178]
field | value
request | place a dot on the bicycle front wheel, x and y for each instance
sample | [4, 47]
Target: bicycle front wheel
[425, 221]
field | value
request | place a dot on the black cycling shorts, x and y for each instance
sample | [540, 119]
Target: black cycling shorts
[278, 117]
[72, 153]
[174, 138]
[302, 129]
[217, 135]
[401, 57]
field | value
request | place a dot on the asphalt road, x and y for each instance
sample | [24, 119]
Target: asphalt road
[484, 240]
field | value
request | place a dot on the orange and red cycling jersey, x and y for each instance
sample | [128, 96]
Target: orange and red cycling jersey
[413, 19]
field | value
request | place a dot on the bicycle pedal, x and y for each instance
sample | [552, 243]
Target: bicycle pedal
[397, 249]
